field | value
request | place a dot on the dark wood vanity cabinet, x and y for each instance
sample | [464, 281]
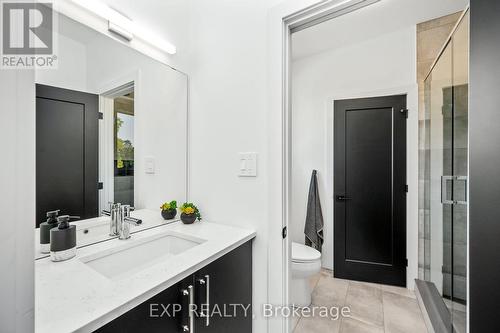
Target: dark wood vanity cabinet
[228, 281]
[227, 285]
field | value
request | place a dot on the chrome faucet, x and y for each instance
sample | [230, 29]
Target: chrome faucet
[125, 221]
[113, 212]
[120, 220]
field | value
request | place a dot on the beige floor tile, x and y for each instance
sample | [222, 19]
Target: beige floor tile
[351, 325]
[326, 273]
[317, 325]
[365, 303]
[330, 292]
[293, 322]
[399, 291]
[370, 284]
[373, 307]
[402, 314]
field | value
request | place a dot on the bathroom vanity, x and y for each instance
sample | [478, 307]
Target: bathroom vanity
[135, 285]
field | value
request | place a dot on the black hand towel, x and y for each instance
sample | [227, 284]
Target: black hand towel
[314, 218]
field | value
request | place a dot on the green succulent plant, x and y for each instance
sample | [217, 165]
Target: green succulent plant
[169, 205]
[189, 208]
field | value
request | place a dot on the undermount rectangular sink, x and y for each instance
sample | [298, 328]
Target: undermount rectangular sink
[136, 255]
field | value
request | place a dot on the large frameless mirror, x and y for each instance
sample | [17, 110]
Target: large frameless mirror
[111, 126]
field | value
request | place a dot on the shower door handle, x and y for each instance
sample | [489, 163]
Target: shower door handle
[444, 190]
[463, 179]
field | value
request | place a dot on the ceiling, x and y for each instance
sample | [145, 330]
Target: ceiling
[377, 19]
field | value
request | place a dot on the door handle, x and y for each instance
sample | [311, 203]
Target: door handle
[343, 198]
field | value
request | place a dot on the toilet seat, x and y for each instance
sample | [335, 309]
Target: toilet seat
[304, 254]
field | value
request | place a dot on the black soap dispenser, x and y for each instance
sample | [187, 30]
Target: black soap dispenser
[63, 240]
[45, 230]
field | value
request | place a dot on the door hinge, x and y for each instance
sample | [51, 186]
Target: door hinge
[284, 232]
[406, 262]
[100, 186]
[100, 115]
[405, 112]
[406, 188]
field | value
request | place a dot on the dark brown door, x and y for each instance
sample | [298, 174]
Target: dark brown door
[370, 189]
[66, 152]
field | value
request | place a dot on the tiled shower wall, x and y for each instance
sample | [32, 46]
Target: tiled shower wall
[431, 36]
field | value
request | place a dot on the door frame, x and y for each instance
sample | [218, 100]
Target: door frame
[282, 21]
[106, 144]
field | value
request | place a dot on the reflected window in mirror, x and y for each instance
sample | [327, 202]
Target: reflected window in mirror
[124, 149]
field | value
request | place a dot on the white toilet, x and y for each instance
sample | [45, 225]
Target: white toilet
[306, 262]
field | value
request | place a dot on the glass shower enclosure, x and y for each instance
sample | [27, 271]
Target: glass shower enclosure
[446, 175]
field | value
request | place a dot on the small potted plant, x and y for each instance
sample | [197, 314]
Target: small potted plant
[169, 210]
[189, 213]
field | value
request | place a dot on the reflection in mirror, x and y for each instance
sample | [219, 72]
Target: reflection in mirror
[124, 148]
[111, 126]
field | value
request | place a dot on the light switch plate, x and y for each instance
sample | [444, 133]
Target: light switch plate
[149, 163]
[247, 165]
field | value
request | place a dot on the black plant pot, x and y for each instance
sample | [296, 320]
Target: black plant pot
[169, 214]
[188, 219]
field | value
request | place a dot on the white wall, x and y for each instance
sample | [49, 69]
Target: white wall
[17, 200]
[363, 69]
[229, 115]
[71, 72]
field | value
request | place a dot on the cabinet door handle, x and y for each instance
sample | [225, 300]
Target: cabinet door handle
[191, 309]
[206, 282]
[207, 319]
[190, 293]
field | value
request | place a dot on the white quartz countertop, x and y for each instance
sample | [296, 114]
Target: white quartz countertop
[72, 297]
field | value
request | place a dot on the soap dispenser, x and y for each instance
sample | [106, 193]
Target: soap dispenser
[63, 240]
[45, 230]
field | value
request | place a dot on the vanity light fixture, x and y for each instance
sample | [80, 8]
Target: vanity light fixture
[122, 32]
[125, 27]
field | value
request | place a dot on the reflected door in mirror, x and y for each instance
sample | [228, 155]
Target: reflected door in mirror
[66, 152]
